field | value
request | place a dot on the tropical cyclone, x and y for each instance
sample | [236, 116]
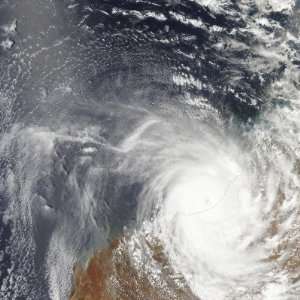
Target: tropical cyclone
[177, 120]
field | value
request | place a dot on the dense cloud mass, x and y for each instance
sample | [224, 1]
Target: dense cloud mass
[159, 140]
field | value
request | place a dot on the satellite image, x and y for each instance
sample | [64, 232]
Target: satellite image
[149, 150]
